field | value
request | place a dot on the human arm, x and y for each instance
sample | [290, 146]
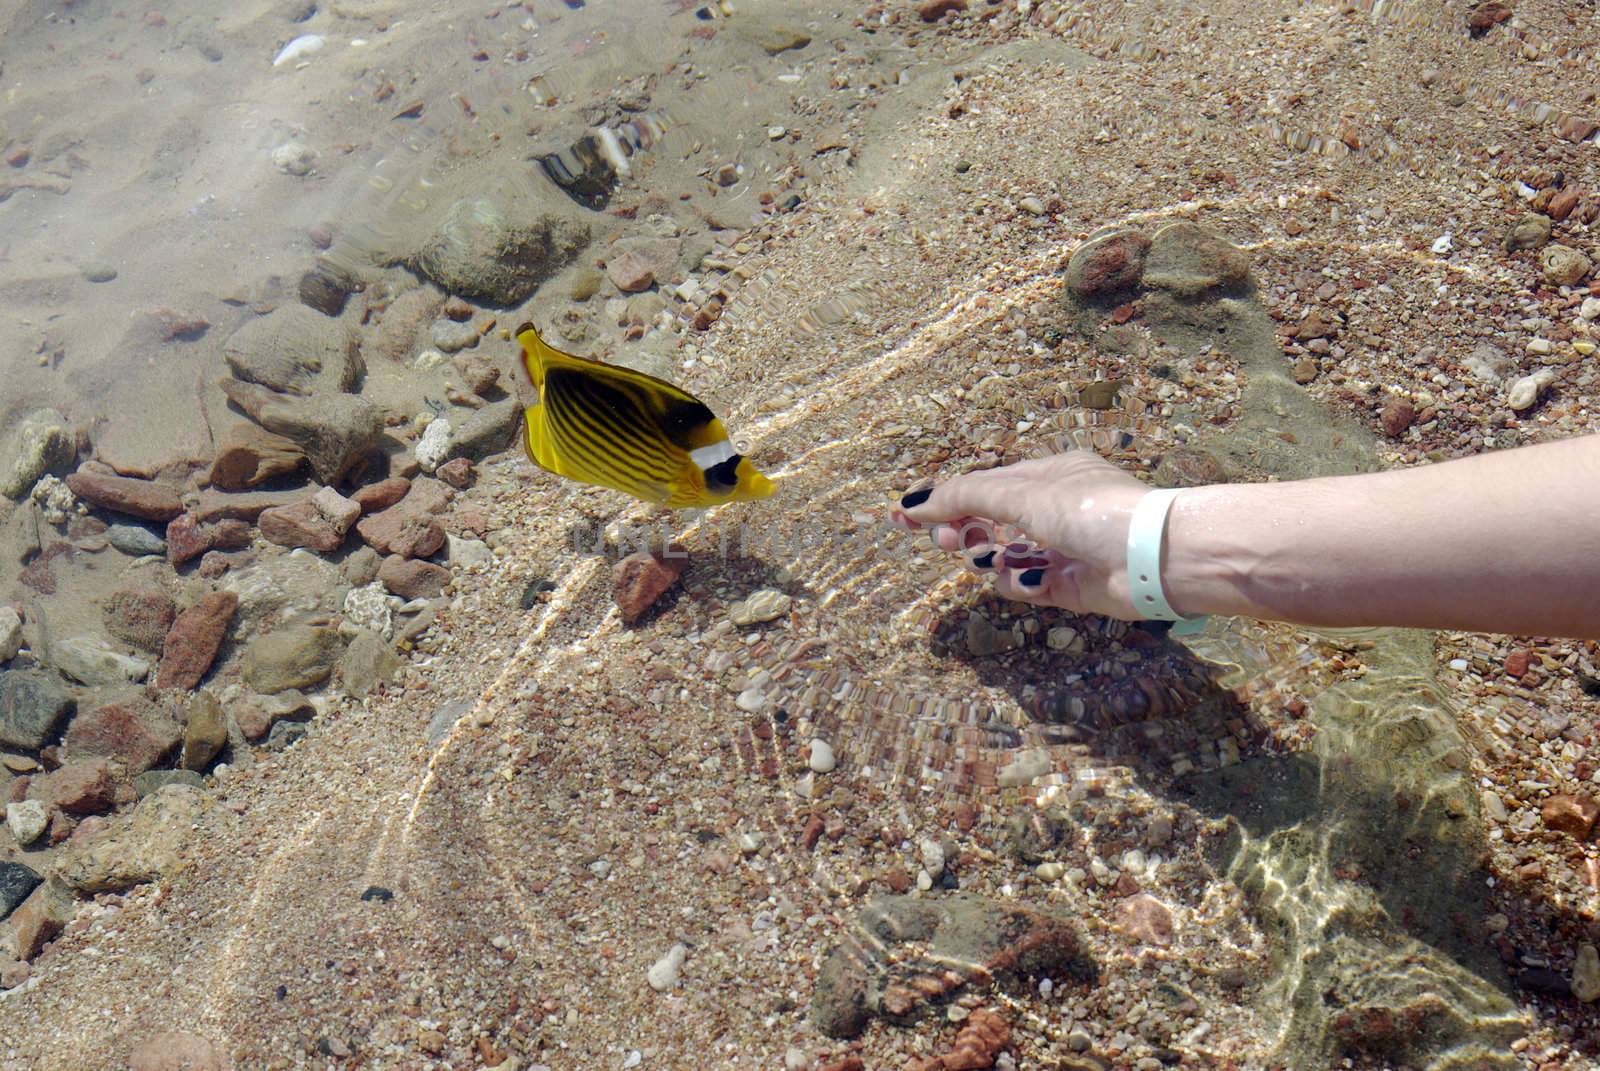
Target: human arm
[1502, 542]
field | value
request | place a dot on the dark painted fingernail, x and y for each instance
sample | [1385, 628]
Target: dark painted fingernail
[1032, 578]
[915, 498]
[984, 561]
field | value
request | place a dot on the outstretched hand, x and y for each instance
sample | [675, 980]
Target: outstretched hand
[1073, 509]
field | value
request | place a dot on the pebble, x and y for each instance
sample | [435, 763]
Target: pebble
[776, 132]
[1031, 205]
[27, 820]
[1061, 638]
[1525, 392]
[768, 604]
[1460, 665]
[1049, 872]
[1563, 265]
[98, 273]
[822, 759]
[433, 449]
[748, 843]
[304, 45]
[751, 700]
[1590, 309]
[932, 857]
[294, 158]
[89, 660]
[428, 360]
[10, 633]
[135, 540]
[1442, 245]
[450, 336]
[796, 1059]
[467, 551]
[1586, 974]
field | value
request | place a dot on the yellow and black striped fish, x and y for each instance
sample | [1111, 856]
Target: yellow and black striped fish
[600, 424]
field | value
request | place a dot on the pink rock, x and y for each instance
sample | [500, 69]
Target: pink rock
[457, 472]
[1108, 265]
[1146, 919]
[630, 272]
[381, 495]
[1396, 417]
[318, 522]
[34, 924]
[242, 506]
[77, 787]
[193, 641]
[408, 528]
[176, 1052]
[123, 494]
[412, 579]
[638, 580]
[137, 734]
[188, 537]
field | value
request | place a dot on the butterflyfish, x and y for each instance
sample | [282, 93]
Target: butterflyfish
[614, 427]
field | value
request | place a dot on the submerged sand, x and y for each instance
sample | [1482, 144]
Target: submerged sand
[598, 794]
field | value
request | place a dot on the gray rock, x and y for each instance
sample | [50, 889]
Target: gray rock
[497, 249]
[33, 707]
[90, 660]
[296, 350]
[450, 336]
[360, 566]
[135, 539]
[16, 883]
[297, 656]
[284, 734]
[98, 272]
[40, 443]
[205, 731]
[367, 663]
[335, 430]
[1530, 231]
[487, 431]
[1036, 835]
[326, 289]
[1189, 261]
[277, 587]
[155, 780]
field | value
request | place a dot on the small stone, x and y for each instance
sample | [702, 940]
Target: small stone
[135, 540]
[1147, 920]
[27, 821]
[458, 310]
[1396, 417]
[205, 731]
[412, 578]
[663, 974]
[318, 522]
[457, 472]
[297, 656]
[638, 580]
[630, 272]
[434, 446]
[90, 660]
[1530, 231]
[1573, 815]
[932, 854]
[33, 706]
[134, 733]
[1524, 393]
[822, 759]
[467, 552]
[761, 606]
[1108, 265]
[381, 495]
[196, 636]
[1031, 205]
[10, 633]
[1049, 872]
[77, 788]
[1563, 265]
[124, 494]
[1305, 370]
[1586, 974]
[188, 537]
[366, 663]
[450, 337]
[1060, 638]
[1443, 245]
[140, 616]
[1562, 204]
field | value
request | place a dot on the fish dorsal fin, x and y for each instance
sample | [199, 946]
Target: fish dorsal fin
[539, 356]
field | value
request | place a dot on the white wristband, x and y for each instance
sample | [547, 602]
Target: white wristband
[1144, 562]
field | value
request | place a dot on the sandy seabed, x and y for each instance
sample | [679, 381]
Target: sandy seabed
[597, 794]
